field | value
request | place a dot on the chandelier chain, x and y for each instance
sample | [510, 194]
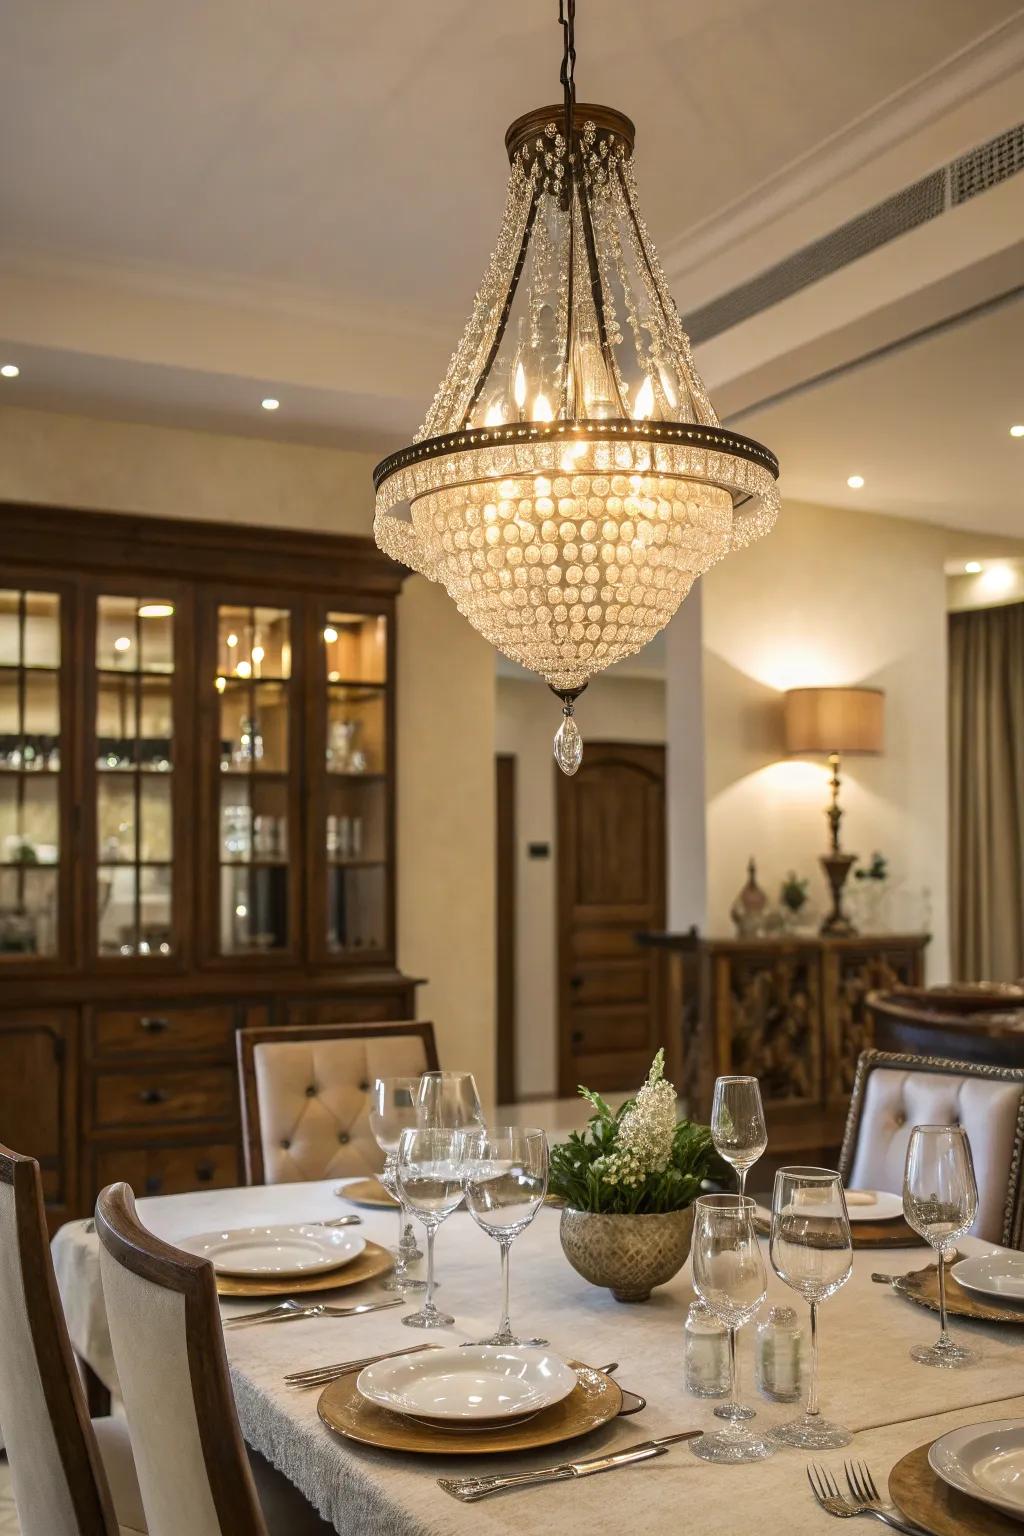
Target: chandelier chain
[567, 21]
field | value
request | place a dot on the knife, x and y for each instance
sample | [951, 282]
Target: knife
[469, 1489]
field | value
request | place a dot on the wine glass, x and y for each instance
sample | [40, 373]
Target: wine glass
[812, 1252]
[449, 1100]
[392, 1111]
[505, 1178]
[429, 1175]
[729, 1277]
[940, 1202]
[737, 1124]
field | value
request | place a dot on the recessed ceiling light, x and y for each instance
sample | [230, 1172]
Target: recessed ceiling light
[855, 482]
[1015, 431]
[972, 567]
[11, 371]
[999, 578]
[270, 404]
[155, 610]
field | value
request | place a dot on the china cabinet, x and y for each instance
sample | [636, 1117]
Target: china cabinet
[197, 816]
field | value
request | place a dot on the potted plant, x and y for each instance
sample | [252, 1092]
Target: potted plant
[628, 1182]
[793, 896]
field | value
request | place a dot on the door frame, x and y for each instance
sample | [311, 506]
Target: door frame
[505, 918]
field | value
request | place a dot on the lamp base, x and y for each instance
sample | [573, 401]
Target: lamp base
[837, 866]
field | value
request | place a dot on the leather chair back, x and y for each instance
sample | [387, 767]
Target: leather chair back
[306, 1093]
[892, 1093]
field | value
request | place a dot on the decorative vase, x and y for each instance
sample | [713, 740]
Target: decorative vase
[628, 1254]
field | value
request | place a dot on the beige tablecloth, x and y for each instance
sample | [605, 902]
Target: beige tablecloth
[868, 1381]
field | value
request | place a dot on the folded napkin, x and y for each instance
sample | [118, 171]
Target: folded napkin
[861, 1197]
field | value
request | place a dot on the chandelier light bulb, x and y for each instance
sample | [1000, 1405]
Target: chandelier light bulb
[643, 406]
[495, 415]
[542, 409]
[520, 387]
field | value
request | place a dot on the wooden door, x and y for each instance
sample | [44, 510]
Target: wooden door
[611, 886]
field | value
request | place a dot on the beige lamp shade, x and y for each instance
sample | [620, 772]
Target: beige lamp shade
[843, 720]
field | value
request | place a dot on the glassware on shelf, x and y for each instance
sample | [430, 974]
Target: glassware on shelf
[449, 1100]
[940, 1202]
[429, 1174]
[729, 1277]
[392, 1111]
[505, 1179]
[812, 1253]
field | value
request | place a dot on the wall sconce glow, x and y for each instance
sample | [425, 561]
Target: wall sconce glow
[1015, 431]
[972, 568]
[11, 371]
[270, 404]
[998, 578]
[122, 643]
[855, 482]
[258, 653]
[330, 634]
[231, 642]
[155, 610]
[220, 683]
[244, 669]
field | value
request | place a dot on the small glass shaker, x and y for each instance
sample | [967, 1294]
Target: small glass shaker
[779, 1356]
[706, 1353]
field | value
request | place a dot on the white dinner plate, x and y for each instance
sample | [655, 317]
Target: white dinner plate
[998, 1276]
[985, 1461]
[479, 1381]
[884, 1207]
[288, 1251]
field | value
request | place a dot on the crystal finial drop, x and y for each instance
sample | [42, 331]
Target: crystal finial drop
[568, 743]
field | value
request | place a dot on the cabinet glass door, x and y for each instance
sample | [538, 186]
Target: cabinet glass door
[357, 825]
[134, 773]
[254, 680]
[30, 773]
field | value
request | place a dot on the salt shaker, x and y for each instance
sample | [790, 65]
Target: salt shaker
[706, 1353]
[779, 1356]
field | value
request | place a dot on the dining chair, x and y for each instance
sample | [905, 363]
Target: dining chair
[893, 1091]
[71, 1476]
[935, 1022]
[305, 1094]
[196, 1475]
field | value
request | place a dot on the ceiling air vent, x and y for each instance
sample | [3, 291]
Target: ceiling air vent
[955, 183]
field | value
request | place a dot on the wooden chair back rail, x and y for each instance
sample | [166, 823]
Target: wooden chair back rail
[61, 1387]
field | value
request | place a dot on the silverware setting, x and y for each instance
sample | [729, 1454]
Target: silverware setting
[337, 1221]
[323, 1375]
[293, 1311]
[833, 1502]
[469, 1489]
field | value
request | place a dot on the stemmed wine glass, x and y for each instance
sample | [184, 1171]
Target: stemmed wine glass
[429, 1175]
[940, 1202]
[729, 1277]
[449, 1100]
[392, 1111]
[812, 1252]
[505, 1178]
[739, 1134]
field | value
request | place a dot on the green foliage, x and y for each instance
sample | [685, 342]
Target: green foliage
[576, 1175]
[878, 869]
[793, 892]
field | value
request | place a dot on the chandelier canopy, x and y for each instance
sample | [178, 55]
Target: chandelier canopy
[571, 479]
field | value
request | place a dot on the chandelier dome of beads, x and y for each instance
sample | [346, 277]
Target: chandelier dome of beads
[571, 479]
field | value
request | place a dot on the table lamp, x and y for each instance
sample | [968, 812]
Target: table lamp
[836, 722]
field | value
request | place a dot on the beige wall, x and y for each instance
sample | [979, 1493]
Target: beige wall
[612, 709]
[830, 597]
[445, 674]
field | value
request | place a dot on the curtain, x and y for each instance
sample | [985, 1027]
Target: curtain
[986, 743]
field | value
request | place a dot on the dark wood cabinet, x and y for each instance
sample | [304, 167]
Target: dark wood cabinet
[197, 827]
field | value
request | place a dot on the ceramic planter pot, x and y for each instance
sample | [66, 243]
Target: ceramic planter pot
[628, 1254]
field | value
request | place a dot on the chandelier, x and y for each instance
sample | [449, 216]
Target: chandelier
[571, 479]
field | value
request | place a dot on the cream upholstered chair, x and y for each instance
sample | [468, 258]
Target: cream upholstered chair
[196, 1477]
[893, 1092]
[306, 1090]
[70, 1478]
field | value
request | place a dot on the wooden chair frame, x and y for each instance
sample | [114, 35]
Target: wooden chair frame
[249, 1039]
[224, 1454]
[1013, 1211]
[62, 1390]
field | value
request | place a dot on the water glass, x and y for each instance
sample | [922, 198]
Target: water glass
[429, 1173]
[940, 1202]
[729, 1277]
[812, 1252]
[505, 1178]
[392, 1111]
[449, 1100]
[737, 1124]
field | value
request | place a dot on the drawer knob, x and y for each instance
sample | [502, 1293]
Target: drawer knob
[154, 1184]
[154, 1026]
[204, 1172]
[153, 1096]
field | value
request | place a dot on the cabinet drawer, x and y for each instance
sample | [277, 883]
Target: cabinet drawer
[377, 1009]
[150, 1030]
[160, 1097]
[167, 1170]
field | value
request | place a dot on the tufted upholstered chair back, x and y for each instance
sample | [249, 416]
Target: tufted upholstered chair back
[306, 1090]
[893, 1092]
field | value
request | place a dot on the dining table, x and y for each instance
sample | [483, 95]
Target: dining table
[868, 1381]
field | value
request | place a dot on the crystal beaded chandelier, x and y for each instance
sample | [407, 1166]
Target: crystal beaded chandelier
[571, 479]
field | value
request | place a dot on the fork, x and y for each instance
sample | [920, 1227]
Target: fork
[862, 1485]
[290, 1310]
[826, 1492]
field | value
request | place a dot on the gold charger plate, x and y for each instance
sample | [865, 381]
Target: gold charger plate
[894, 1233]
[922, 1286]
[922, 1496]
[594, 1401]
[367, 1192]
[373, 1261]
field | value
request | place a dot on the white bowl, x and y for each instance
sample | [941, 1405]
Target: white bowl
[985, 1461]
[479, 1381]
[996, 1276]
[286, 1251]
